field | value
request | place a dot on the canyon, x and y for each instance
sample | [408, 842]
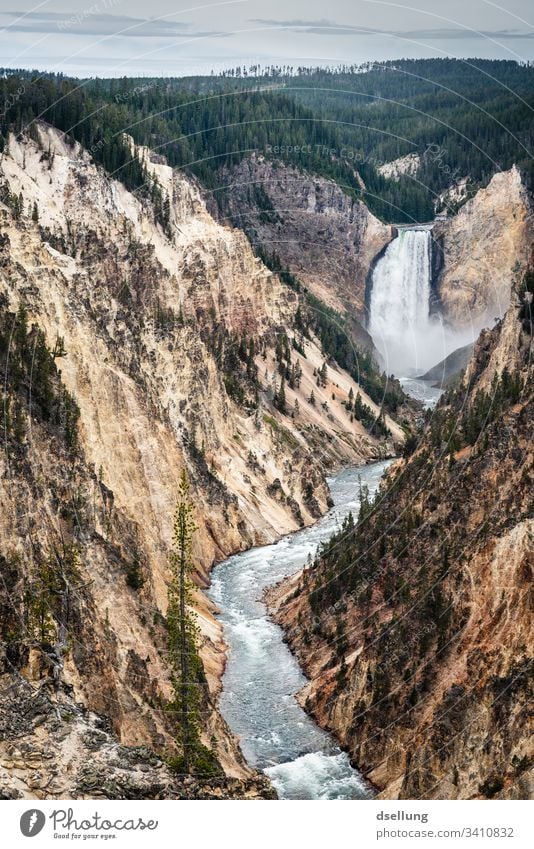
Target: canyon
[326, 239]
[417, 635]
[172, 340]
[332, 243]
[144, 323]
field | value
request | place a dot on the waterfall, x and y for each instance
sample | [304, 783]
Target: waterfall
[399, 319]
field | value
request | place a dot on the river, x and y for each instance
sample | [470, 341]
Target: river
[424, 391]
[262, 676]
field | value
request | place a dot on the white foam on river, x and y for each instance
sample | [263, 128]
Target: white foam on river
[262, 676]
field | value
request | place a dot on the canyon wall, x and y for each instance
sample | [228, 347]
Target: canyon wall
[480, 249]
[326, 239]
[164, 334]
[330, 242]
[414, 626]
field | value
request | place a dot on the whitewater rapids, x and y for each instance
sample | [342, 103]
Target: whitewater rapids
[262, 676]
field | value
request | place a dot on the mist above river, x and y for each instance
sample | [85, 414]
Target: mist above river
[409, 339]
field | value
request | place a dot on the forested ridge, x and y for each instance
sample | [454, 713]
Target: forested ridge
[478, 112]
[465, 118]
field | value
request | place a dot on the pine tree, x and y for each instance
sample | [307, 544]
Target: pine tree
[59, 348]
[187, 673]
[281, 397]
[41, 625]
[182, 626]
[134, 574]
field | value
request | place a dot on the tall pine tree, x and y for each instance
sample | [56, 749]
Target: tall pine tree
[187, 672]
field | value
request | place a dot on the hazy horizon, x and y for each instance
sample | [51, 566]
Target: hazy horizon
[109, 38]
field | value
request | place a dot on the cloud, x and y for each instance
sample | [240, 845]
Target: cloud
[92, 22]
[316, 27]
[467, 33]
[325, 27]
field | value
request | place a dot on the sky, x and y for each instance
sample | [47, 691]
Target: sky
[176, 37]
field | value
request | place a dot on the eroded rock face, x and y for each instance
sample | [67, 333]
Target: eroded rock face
[142, 315]
[419, 652]
[397, 168]
[481, 247]
[52, 748]
[144, 380]
[326, 239]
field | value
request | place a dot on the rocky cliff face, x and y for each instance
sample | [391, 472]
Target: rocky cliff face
[166, 337]
[414, 626]
[408, 164]
[326, 239]
[481, 247]
[331, 243]
[82, 658]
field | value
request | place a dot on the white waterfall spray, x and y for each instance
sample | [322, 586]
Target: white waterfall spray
[399, 321]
